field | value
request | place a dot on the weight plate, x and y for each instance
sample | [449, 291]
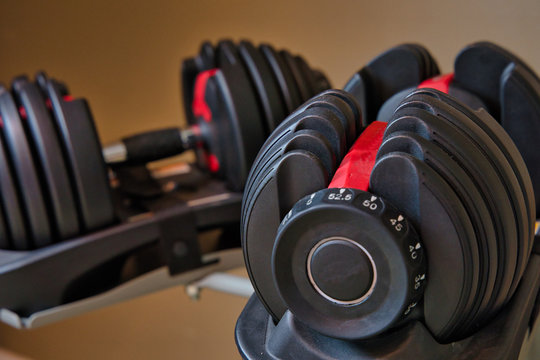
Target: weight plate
[478, 69]
[310, 140]
[301, 84]
[287, 87]
[244, 122]
[444, 227]
[265, 84]
[503, 141]
[275, 195]
[25, 172]
[307, 75]
[504, 171]
[49, 159]
[331, 102]
[82, 149]
[11, 216]
[470, 157]
[316, 118]
[465, 188]
[392, 71]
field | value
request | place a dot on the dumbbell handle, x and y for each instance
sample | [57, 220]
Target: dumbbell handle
[151, 146]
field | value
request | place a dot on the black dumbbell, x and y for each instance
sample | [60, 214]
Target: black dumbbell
[234, 96]
[430, 216]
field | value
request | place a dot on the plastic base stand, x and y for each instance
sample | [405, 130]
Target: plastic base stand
[70, 272]
[150, 282]
[504, 338]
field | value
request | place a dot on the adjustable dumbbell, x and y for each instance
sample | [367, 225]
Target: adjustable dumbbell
[430, 216]
[54, 184]
[234, 96]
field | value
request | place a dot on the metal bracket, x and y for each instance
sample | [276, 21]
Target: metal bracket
[227, 283]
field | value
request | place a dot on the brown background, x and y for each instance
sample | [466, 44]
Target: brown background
[124, 57]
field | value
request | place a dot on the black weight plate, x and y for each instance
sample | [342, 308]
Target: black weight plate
[324, 124]
[229, 54]
[316, 144]
[307, 75]
[226, 53]
[432, 69]
[254, 203]
[49, 161]
[82, 149]
[265, 84]
[329, 125]
[478, 68]
[4, 237]
[319, 118]
[297, 174]
[392, 71]
[326, 104]
[458, 179]
[42, 80]
[296, 96]
[11, 216]
[423, 58]
[520, 113]
[25, 172]
[281, 73]
[319, 143]
[504, 171]
[321, 105]
[514, 158]
[445, 229]
[471, 158]
[347, 110]
[359, 123]
[343, 111]
[387, 109]
[434, 66]
[206, 58]
[245, 122]
[301, 84]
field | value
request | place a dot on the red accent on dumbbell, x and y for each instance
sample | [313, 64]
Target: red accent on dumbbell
[66, 98]
[199, 107]
[22, 112]
[197, 131]
[441, 83]
[212, 162]
[355, 168]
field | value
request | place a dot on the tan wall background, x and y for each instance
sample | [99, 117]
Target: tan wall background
[124, 57]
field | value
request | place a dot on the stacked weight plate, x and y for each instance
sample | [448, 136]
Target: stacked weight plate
[465, 186]
[53, 182]
[298, 158]
[247, 91]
